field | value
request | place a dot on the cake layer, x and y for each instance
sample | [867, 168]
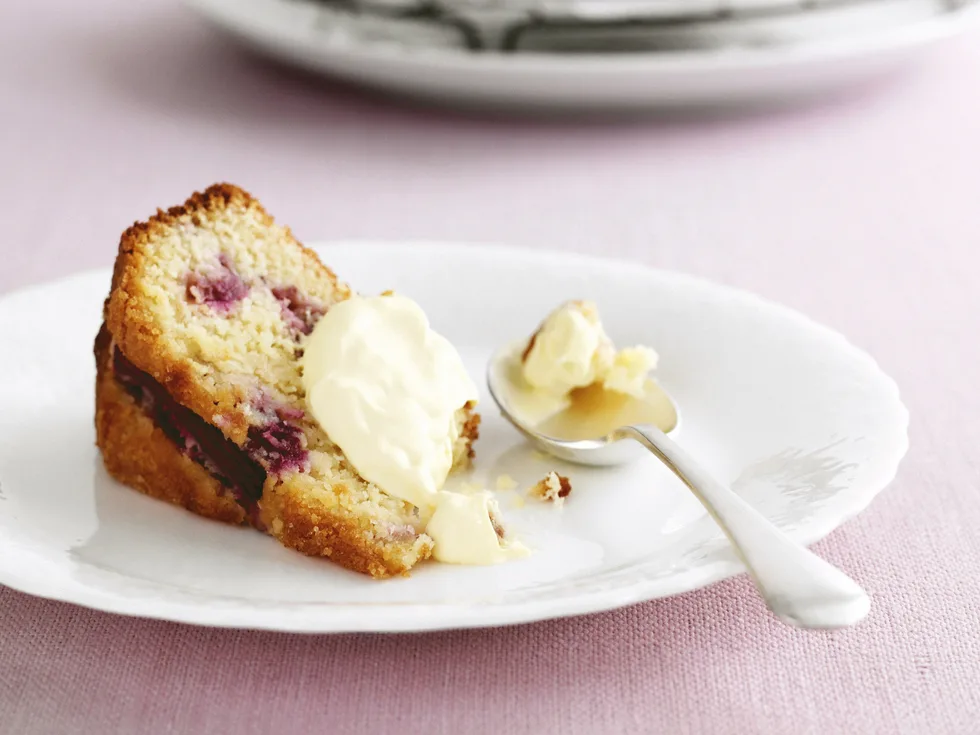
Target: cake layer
[138, 453]
[243, 476]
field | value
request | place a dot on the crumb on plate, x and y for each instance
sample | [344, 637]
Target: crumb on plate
[553, 488]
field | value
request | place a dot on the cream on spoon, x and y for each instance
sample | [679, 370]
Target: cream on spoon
[798, 586]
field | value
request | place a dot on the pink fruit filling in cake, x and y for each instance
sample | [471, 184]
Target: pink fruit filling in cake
[200, 441]
[299, 312]
[278, 446]
[274, 447]
[220, 288]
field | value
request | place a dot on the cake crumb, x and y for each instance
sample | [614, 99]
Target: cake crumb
[494, 512]
[470, 487]
[506, 482]
[539, 455]
[553, 488]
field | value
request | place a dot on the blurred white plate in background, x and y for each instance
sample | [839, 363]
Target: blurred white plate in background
[741, 51]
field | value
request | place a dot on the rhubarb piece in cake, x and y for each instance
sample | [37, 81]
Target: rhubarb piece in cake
[199, 393]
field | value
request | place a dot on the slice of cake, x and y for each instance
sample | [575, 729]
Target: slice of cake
[199, 392]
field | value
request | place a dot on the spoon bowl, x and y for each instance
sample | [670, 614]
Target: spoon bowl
[607, 450]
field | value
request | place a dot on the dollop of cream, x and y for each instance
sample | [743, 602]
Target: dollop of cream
[385, 387]
[571, 350]
[463, 531]
[629, 370]
[569, 381]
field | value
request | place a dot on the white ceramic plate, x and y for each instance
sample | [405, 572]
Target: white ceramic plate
[803, 424]
[785, 57]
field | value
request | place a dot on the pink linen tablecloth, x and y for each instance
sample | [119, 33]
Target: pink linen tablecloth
[862, 211]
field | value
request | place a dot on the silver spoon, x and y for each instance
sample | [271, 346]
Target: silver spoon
[798, 586]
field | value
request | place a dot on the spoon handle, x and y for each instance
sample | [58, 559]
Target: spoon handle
[798, 586]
